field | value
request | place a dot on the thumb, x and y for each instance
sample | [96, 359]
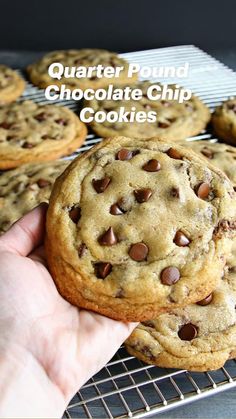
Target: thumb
[27, 233]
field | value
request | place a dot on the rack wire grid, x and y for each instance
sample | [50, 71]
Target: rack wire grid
[126, 387]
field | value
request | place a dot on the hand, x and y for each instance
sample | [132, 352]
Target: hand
[48, 348]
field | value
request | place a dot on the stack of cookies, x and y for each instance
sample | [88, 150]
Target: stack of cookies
[143, 231]
[140, 228]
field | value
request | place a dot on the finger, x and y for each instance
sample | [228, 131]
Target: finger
[27, 233]
[99, 339]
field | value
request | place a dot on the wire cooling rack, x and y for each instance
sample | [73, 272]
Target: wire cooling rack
[126, 387]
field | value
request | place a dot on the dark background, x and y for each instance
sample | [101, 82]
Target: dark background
[120, 25]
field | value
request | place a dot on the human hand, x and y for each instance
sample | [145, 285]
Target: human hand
[48, 348]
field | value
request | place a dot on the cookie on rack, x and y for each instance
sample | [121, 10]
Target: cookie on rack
[224, 121]
[30, 132]
[11, 85]
[26, 187]
[174, 121]
[38, 72]
[199, 337]
[139, 226]
[221, 155]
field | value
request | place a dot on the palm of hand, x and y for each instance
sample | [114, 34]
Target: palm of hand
[68, 344]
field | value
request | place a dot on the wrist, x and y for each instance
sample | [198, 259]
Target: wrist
[25, 389]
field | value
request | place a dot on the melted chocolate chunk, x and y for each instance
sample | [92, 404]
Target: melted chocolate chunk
[75, 214]
[82, 250]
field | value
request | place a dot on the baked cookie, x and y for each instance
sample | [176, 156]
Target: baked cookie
[24, 188]
[139, 226]
[38, 72]
[11, 85]
[224, 121]
[30, 132]
[174, 121]
[199, 337]
[221, 155]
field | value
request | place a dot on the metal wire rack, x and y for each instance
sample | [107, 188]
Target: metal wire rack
[126, 387]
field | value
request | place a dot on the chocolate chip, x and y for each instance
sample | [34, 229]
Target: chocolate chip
[163, 124]
[120, 293]
[148, 323]
[232, 107]
[180, 239]
[203, 190]
[42, 183]
[138, 251]
[116, 210]
[207, 300]
[27, 145]
[170, 275]
[100, 185]
[124, 154]
[207, 152]
[147, 106]
[142, 195]
[146, 350]
[102, 269]
[75, 214]
[152, 165]
[189, 107]
[174, 154]
[5, 125]
[61, 121]
[175, 192]
[232, 269]
[171, 120]
[42, 116]
[82, 250]
[165, 103]
[188, 332]
[108, 238]
[224, 226]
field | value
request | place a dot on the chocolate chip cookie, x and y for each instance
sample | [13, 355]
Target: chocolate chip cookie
[139, 226]
[11, 85]
[24, 188]
[174, 121]
[30, 132]
[221, 155]
[38, 72]
[199, 337]
[224, 121]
